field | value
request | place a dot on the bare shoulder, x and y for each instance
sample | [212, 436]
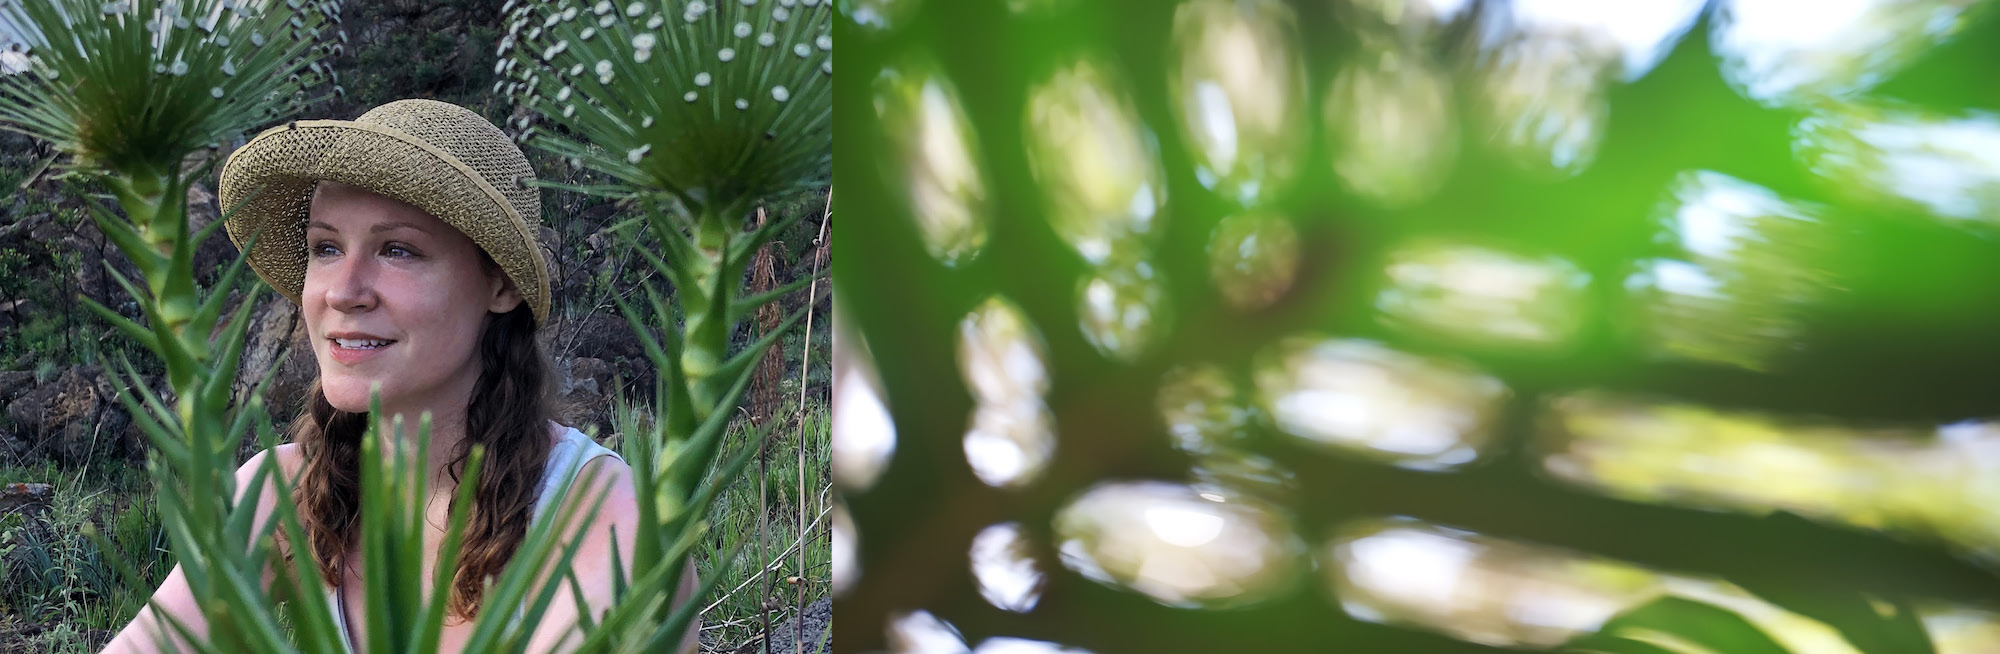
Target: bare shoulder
[290, 458]
[607, 472]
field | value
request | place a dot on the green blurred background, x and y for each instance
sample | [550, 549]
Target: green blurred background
[1427, 326]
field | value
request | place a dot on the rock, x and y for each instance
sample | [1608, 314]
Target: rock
[551, 239]
[25, 497]
[274, 325]
[588, 375]
[580, 388]
[13, 232]
[603, 335]
[13, 312]
[71, 419]
[213, 255]
[12, 382]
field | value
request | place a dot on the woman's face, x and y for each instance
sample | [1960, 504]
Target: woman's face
[379, 270]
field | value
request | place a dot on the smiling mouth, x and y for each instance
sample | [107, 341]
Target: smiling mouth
[360, 343]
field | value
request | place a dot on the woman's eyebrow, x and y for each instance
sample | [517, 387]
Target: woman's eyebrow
[378, 228]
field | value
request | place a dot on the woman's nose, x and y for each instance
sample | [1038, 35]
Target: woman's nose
[350, 284]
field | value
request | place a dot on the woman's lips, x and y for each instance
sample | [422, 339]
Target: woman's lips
[352, 356]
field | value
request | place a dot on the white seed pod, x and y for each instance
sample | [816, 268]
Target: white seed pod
[635, 154]
[603, 7]
[222, 40]
[633, 10]
[256, 39]
[587, 33]
[701, 78]
[742, 30]
[576, 70]
[606, 20]
[569, 110]
[534, 33]
[826, 66]
[552, 20]
[228, 68]
[780, 14]
[780, 94]
[180, 22]
[569, 14]
[179, 68]
[690, 96]
[641, 56]
[563, 95]
[742, 104]
[655, 22]
[215, 92]
[767, 39]
[801, 50]
[646, 122]
[644, 41]
[825, 43]
[604, 67]
[726, 54]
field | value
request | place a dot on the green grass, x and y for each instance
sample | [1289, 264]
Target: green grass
[736, 521]
[52, 575]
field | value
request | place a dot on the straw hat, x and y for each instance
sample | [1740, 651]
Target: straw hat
[436, 156]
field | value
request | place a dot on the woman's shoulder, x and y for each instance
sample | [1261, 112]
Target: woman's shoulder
[288, 455]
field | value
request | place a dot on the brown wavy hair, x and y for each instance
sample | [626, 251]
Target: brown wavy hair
[509, 414]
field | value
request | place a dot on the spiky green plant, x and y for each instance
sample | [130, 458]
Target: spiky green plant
[698, 111]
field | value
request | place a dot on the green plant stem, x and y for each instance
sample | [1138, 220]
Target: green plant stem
[707, 328]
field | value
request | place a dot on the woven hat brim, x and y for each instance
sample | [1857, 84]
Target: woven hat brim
[287, 162]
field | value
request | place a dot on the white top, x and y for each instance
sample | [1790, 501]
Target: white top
[566, 458]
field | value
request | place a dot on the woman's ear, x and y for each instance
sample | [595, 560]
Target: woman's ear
[503, 293]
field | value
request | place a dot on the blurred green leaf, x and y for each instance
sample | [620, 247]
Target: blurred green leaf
[1680, 619]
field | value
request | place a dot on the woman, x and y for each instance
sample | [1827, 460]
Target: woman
[407, 237]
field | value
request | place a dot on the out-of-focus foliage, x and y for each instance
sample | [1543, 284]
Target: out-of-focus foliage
[1654, 326]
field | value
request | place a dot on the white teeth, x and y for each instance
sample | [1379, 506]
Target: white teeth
[360, 344]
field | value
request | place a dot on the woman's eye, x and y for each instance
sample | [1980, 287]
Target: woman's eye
[319, 249]
[398, 248]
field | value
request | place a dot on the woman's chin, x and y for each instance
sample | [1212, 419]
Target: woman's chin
[349, 394]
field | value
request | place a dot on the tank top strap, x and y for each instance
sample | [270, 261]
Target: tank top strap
[566, 460]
